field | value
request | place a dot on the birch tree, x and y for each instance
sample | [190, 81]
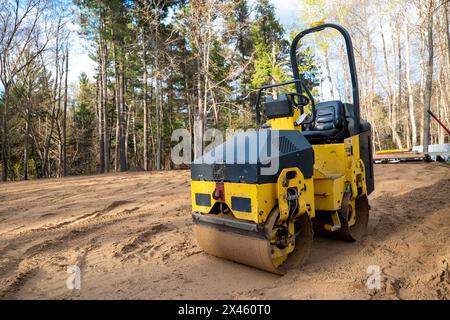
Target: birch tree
[19, 29]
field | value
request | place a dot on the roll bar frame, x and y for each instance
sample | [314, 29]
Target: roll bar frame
[351, 62]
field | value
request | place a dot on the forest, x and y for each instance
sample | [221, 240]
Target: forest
[161, 65]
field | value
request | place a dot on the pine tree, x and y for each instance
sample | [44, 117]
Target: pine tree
[270, 46]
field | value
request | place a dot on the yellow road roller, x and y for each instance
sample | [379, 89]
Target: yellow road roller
[258, 198]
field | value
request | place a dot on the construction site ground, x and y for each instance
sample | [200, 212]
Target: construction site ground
[131, 236]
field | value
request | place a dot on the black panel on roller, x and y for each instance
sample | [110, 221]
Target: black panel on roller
[241, 162]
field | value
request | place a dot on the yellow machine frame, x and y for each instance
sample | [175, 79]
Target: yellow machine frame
[281, 212]
[332, 178]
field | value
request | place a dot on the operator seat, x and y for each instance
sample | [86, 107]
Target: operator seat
[329, 123]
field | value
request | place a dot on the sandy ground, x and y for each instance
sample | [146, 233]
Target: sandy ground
[130, 234]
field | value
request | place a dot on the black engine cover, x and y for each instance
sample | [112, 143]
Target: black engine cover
[251, 157]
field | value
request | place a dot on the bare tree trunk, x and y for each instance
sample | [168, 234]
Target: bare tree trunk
[127, 131]
[25, 148]
[152, 130]
[99, 123]
[133, 123]
[412, 118]
[145, 88]
[407, 133]
[121, 115]
[391, 94]
[443, 103]
[116, 147]
[429, 78]
[345, 71]
[103, 115]
[104, 85]
[158, 109]
[58, 124]
[422, 84]
[5, 134]
[64, 124]
[330, 79]
[27, 129]
[390, 97]
[199, 118]
[440, 112]
[447, 32]
[189, 104]
[45, 165]
[119, 60]
[100, 107]
[371, 66]
[206, 65]
[395, 134]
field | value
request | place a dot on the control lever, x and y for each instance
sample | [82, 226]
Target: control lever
[301, 120]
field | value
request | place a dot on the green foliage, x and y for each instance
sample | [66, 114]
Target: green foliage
[270, 46]
[82, 130]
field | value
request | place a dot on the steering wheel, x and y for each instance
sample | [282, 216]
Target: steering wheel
[302, 99]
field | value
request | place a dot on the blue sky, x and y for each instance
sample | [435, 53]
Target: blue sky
[286, 10]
